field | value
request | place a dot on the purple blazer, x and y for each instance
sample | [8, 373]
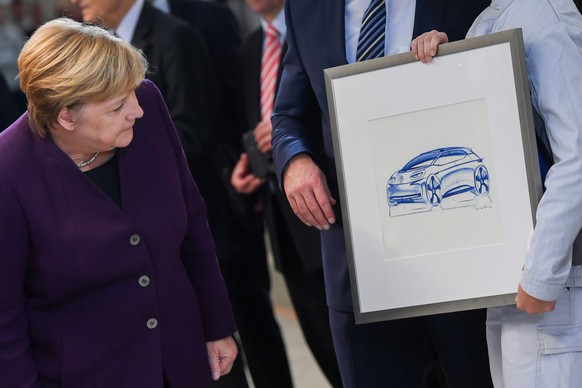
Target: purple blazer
[97, 295]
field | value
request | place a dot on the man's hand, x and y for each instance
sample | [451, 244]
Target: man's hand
[242, 179]
[307, 191]
[424, 47]
[221, 356]
[531, 305]
[262, 134]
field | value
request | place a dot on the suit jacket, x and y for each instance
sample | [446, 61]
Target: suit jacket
[219, 30]
[216, 24]
[182, 70]
[315, 34]
[82, 278]
[289, 237]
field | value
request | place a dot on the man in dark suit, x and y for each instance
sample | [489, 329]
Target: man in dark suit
[296, 248]
[324, 34]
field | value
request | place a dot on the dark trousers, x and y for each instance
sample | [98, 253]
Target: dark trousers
[248, 282]
[390, 354]
[307, 292]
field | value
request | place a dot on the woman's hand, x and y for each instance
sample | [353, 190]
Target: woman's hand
[221, 356]
[424, 47]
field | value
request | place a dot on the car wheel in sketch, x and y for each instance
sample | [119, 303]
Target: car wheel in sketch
[433, 190]
[481, 180]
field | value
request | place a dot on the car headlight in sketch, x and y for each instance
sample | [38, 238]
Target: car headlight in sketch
[433, 177]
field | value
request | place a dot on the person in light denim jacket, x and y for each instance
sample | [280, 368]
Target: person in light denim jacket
[538, 342]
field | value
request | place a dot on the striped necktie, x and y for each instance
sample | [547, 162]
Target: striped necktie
[269, 71]
[371, 39]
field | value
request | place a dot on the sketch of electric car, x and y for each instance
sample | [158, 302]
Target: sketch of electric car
[434, 176]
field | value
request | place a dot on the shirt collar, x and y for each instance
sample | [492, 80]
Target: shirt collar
[162, 5]
[278, 23]
[127, 26]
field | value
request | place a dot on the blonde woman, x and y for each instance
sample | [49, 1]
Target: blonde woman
[109, 276]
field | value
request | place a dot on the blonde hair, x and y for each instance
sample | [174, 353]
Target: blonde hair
[66, 63]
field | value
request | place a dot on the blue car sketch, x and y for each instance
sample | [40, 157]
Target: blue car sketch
[432, 177]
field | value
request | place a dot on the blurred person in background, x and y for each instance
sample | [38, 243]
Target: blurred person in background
[220, 32]
[66, 8]
[37, 17]
[247, 19]
[296, 248]
[11, 41]
[21, 15]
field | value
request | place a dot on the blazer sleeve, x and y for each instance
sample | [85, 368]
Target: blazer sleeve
[198, 250]
[17, 368]
[296, 108]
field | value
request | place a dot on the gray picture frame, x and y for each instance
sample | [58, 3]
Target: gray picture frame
[373, 109]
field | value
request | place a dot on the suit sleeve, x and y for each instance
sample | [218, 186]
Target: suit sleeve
[295, 108]
[198, 250]
[17, 368]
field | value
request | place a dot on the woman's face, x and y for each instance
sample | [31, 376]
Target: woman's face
[103, 126]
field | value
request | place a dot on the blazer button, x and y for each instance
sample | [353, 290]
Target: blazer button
[144, 281]
[152, 323]
[134, 239]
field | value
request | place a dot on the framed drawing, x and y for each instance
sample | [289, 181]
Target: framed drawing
[439, 176]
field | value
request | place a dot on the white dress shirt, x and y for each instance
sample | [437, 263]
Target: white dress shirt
[162, 5]
[399, 25]
[127, 25]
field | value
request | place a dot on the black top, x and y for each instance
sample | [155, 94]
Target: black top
[106, 177]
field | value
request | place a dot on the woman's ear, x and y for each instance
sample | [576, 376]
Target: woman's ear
[65, 119]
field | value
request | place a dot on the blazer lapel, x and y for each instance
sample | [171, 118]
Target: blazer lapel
[332, 15]
[428, 16]
[143, 27]
[280, 71]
